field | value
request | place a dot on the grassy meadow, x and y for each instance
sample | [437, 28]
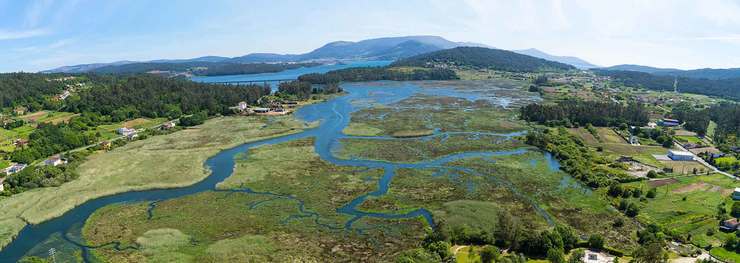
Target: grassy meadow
[297, 221]
[159, 162]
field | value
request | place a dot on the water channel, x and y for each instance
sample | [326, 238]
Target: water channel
[333, 115]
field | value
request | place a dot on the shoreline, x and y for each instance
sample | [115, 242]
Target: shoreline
[13, 230]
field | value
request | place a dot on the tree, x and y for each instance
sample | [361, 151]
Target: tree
[735, 212]
[595, 241]
[568, 236]
[489, 254]
[650, 253]
[632, 210]
[652, 193]
[507, 230]
[576, 256]
[555, 255]
[440, 248]
[652, 174]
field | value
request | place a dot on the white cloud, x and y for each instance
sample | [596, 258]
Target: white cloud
[11, 35]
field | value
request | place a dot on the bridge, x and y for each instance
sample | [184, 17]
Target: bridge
[252, 81]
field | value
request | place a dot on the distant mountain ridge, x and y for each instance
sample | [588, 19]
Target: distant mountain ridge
[574, 61]
[479, 57]
[704, 73]
[387, 48]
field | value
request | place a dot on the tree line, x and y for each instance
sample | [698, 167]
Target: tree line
[571, 111]
[576, 158]
[378, 73]
[128, 97]
[728, 88]
[302, 90]
[30, 90]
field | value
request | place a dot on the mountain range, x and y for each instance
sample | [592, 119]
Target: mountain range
[388, 48]
[574, 61]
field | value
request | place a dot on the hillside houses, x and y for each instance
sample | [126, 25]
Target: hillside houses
[129, 133]
[55, 160]
[14, 168]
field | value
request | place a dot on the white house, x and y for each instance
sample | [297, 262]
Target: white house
[126, 131]
[55, 160]
[14, 168]
[169, 125]
[680, 155]
[242, 106]
[2, 180]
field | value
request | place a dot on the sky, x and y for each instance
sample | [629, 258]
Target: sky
[43, 34]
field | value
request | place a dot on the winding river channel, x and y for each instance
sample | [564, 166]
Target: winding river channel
[333, 115]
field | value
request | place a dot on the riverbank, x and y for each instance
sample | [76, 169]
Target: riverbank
[167, 161]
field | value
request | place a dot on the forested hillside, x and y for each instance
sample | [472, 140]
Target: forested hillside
[478, 57]
[29, 90]
[729, 88]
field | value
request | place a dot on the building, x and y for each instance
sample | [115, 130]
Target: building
[126, 131]
[736, 194]
[670, 122]
[242, 106]
[15, 168]
[261, 110]
[680, 155]
[132, 135]
[55, 160]
[634, 140]
[729, 224]
[2, 180]
[169, 125]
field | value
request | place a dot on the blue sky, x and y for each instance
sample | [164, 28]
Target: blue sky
[37, 35]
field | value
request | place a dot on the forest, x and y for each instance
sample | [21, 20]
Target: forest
[378, 73]
[572, 111]
[480, 58]
[726, 115]
[128, 97]
[728, 88]
[29, 90]
[576, 158]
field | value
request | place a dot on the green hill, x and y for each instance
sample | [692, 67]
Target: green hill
[479, 58]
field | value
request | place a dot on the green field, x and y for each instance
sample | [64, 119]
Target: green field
[688, 206]
[689, 139]
[177, 160]
[722, 254]
[614, 146]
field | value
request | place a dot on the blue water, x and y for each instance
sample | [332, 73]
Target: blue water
[288, 74]
[334, 116]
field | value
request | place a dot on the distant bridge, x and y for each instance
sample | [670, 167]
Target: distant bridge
[252, 81]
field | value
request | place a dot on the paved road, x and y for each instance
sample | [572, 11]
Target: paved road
[705, 163]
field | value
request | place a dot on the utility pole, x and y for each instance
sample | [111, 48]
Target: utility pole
[52, 253]
[675, 85]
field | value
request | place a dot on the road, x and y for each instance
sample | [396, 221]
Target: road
[705, 163]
